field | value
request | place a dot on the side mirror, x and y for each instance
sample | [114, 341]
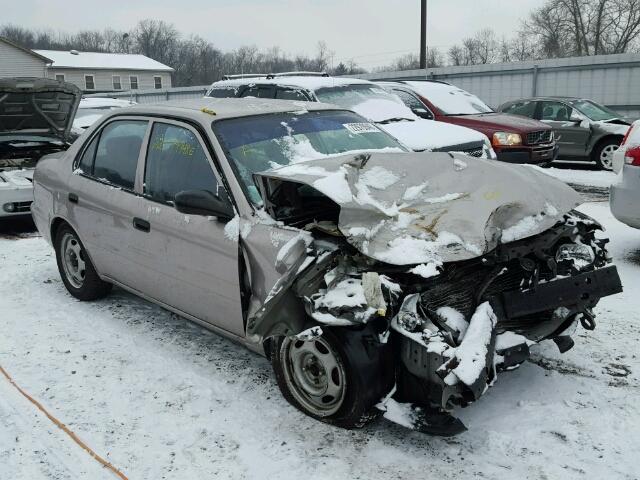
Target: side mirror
[575, 118]
[203, 202]
[423, 113]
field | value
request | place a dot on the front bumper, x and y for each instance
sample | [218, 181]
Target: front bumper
[16, 193]
[535, 155]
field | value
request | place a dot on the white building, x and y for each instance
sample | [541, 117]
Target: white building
[16, 61]
[107, 72]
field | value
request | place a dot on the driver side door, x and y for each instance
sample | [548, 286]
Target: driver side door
[191, 260]
[571, 137]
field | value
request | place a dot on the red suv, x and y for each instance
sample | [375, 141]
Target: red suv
[515, 139]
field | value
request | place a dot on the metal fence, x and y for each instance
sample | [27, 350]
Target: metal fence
[613, 80]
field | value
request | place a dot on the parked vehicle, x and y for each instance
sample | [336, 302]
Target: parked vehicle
[584, 129]
[513, 138]
[92, 108]
[625, 193]
[35, 120]
[313, 237]
[365, 98]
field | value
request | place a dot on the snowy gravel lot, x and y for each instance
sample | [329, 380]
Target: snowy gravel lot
[162, 398]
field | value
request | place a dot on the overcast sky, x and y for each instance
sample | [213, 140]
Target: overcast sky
[372, 32]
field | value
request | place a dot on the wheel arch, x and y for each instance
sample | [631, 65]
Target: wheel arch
[598, 143]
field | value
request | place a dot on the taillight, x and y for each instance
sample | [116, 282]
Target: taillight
[632, 156]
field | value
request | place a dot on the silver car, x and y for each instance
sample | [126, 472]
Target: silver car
[372, 277]
[625, 192]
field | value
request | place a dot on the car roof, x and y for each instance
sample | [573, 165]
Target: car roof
[207, 109]
[306, 82]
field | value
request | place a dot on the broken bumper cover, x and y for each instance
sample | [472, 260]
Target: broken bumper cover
[430, 376]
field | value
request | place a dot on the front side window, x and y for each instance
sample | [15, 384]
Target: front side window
[176, 162]
[117, 84]
[157, 82]
[555, 111]
[259, 143]
[410, 100]
[133, 82]
[117, 154]
[89, 83]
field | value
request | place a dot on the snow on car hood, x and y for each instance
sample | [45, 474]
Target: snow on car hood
[430, 208]
[415, 132]
[37, 106]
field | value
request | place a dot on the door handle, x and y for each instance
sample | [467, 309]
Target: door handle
[73, 198]
[142, 225]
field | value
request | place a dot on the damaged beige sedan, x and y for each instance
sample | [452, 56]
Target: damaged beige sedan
[375, 279]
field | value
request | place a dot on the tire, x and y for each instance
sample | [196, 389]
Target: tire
[358, 372]
[76, 270]
[603, 153]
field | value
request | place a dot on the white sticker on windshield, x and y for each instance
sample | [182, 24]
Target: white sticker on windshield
[358, 128]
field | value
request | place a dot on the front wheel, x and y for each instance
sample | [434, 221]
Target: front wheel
[603, 154]
[75, 267]
[337, 378]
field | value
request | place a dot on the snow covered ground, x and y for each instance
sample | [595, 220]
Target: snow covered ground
[162, 398]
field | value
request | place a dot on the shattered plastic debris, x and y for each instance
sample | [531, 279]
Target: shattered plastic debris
[372, 287]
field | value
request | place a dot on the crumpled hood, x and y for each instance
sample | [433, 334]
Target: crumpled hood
[37, 106]
[415, 208]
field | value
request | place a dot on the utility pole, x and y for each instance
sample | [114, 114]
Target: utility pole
[423, 34]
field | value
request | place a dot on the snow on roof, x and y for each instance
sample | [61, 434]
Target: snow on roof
[94, 60]
[307, 82]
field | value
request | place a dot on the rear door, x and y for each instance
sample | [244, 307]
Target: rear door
[191, 261]
[571, 137]
[104, 197]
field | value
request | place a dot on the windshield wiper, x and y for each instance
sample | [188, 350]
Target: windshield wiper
[396, 119]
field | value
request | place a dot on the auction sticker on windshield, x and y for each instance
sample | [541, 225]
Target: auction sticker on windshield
[361, 128]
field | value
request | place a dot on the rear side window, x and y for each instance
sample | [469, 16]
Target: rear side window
[117, 154]
[258, 91]
[176, 162]
[524, 109]
[291, 94]
[223, 92]
[409, 100]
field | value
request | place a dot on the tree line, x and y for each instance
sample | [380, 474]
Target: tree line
[559, 28]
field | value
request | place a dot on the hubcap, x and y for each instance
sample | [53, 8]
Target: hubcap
[315, 375]
[73, 260]
[606, 156]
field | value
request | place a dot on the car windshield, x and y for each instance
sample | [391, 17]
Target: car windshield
[594, 111]
[450, 100]
[258, 143]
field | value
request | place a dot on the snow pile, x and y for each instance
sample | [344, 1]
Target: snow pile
[379, 177]
[413, 192]
[411, 250]
[528, 225]
[347, 293]
[335, 185]
[235, 228]
[426, 270]
[379, 110]
[453, 319]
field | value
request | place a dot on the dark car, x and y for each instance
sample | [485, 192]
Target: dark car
[584, 129]
[514, 139]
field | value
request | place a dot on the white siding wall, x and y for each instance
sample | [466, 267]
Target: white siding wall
[103, 79]
[16, 63]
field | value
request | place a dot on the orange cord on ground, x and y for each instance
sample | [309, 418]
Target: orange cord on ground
[64, 428]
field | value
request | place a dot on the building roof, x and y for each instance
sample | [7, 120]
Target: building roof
[96, 61]
[26, 50]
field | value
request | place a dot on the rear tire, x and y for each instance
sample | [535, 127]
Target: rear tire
[603, 153]
[336, 378]
[75, 267]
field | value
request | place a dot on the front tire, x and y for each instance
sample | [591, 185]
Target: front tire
[75, 267]
[337, 378]
[603, 153]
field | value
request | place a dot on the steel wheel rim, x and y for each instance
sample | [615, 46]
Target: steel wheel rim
[73, 262]
[606, 156]
[315, 375]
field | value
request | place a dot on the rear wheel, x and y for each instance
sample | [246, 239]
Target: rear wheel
[603, 153]
[75, 267]
[337, 378]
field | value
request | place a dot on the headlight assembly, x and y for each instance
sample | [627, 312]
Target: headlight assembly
[581, 255]
[506, 138]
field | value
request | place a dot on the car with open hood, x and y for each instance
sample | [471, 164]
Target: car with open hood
[366, 98]
[515, 139]
[585, 130]
[35, 120]
[372, 277]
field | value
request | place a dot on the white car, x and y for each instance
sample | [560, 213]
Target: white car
[92, 108]
[35, 120]
[366, 98]
[625, 193]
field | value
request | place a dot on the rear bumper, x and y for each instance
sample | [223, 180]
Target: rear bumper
[528, 154]
[624, 196]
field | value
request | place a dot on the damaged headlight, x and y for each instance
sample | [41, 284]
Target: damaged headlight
[581, 255]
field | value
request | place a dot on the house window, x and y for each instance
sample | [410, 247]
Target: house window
[117, 85]
[158, 82]
[60, 77]
[89, 83]
[133, 82]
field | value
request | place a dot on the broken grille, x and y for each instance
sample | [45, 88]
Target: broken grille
[543, 136]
